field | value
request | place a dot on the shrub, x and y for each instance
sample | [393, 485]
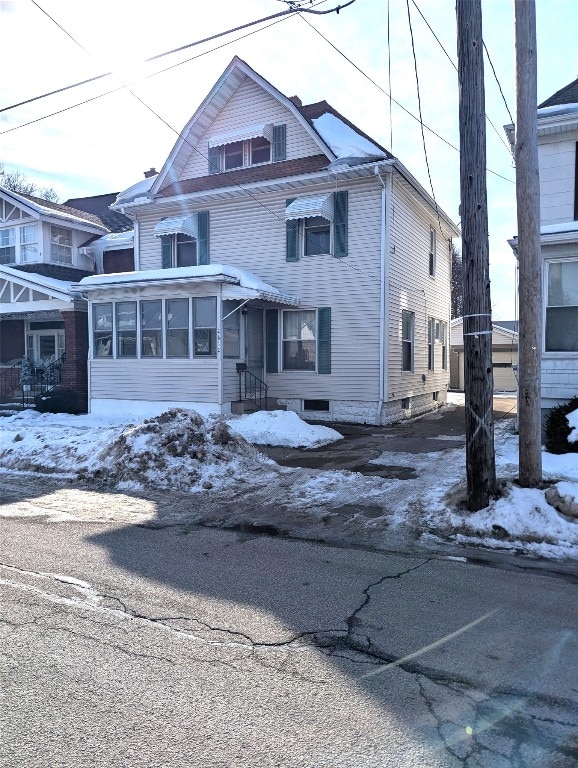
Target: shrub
[58, 401]
[556, 428]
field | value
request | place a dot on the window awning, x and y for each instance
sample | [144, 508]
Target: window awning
[306, 207]
[185, 225]
[241, 134]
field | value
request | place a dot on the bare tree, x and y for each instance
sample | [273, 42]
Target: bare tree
[457, 283]
[18, 182]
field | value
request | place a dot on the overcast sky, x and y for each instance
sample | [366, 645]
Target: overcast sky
[105, 145]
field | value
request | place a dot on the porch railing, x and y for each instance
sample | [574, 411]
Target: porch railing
[251, 388]
[25, 381]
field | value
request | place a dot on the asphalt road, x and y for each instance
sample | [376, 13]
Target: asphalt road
[188, 647]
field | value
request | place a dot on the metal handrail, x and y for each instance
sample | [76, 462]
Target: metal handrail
[252, 388]
[31, 380]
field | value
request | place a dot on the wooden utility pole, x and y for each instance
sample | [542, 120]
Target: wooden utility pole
[477, 325]
[529, 259]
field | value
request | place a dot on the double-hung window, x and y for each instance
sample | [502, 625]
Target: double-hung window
[29, 242]
[431, 337]
[151, 329]
[407, 337]
[299, 340]
[126, 329]
[8, 245]
[231, 329]
[184, 240]
[561, 333]
[102, 329]
[316, 224]
[432, 252]
[60, 245]
[177, 327]
[205, 327]
[243, 148]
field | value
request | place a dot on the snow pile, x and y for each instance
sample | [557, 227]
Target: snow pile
[282, 428]
[179, 450]
[572, 419]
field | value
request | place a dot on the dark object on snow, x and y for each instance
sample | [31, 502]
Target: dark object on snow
[557, 429]
[58, 401]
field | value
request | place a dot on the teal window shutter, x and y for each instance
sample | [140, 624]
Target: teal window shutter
[166, 251]
[324, 340]
[272, 340]
[291, 236]
[340, 224]
[203, 241]
[279, 142]
[214, 160]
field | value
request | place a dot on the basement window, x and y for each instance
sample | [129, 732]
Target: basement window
[405, 403]
[316, 405]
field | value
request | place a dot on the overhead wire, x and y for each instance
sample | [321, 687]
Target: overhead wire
[287, 12]
[497, 81]
[449, 58]
[395, 101]
[420, 113]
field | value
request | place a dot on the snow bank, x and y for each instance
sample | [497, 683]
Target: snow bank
[572, 419]
[282, 428]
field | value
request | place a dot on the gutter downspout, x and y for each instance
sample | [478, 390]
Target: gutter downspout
[136, 246]
[220, 394]
[386, 195]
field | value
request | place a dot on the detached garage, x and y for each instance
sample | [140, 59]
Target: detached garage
[504, 355]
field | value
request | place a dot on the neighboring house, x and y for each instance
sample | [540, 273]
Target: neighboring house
[45, 248]
[504, 354]
[281, 239]
[558, 162]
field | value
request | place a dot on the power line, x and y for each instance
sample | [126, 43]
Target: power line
[420, 114]
[397, 103]
[449, 58]
[290, 10]
[140, 79]
[497, 81]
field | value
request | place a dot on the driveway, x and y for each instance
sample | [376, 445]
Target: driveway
[362, 444]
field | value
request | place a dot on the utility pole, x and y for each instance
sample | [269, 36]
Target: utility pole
[529, 257]
[477, 325]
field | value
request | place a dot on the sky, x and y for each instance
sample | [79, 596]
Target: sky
[131, 456]
[106, 144]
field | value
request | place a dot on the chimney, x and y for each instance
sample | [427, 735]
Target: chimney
[150, 172]
[296, 100]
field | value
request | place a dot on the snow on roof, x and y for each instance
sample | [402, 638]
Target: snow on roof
[219, 272]
[343, 140]
[64, 286]
[558, 109]
[116, 240]
[553, 229]
[137, 190]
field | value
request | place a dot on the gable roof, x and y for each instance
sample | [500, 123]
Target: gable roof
[219, 95]
[566, 95]
[47, 208]
[99, 206]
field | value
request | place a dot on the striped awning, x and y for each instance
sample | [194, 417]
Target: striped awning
[186, 225]
[306, 207]
[241, 134]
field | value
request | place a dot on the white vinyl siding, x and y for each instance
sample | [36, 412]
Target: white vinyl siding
[250, 105]
[252, 236]
[412, 288]
[557, 164]
[154, 379]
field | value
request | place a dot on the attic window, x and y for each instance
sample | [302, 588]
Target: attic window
[246, 147]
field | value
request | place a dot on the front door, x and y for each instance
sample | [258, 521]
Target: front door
[44, 347]
[254, 350]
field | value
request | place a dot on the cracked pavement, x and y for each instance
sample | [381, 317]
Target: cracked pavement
[130, 646]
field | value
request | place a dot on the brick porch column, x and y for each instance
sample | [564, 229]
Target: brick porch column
[74, 374]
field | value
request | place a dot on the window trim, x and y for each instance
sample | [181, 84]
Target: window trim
[432, 251]
[554, 353]
[410, 341]
[54, 244]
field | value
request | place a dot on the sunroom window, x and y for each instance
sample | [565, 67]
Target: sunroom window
[205, 327]
[562, 307]
[177, 323]
[151, 329]
[126, 329]
[102, 329]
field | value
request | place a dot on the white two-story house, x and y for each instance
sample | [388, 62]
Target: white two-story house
[278, 246]
[558, 166]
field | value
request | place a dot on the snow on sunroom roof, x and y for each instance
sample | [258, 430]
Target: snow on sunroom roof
[343, 140]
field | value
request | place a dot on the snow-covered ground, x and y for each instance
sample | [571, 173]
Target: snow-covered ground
[215, 460]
